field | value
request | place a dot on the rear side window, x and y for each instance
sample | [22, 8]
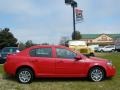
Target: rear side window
[41, 52]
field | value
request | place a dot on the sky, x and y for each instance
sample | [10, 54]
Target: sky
[48, 20]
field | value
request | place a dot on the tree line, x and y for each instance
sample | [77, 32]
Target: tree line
[7, 39]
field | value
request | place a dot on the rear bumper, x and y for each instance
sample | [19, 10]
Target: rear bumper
[8, 68]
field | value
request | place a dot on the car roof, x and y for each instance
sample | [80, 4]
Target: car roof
[38, 46]
[41, 46]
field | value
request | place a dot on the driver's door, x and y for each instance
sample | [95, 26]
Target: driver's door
[66, 63]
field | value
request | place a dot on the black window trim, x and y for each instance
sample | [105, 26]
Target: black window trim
[63, 57]
[39, 48]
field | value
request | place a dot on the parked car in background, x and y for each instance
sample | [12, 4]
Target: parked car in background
[109, 48]
[56, 61]
[5, 51]
[0, 53]
[81, 46]
[94, 47]
[117, 47]
[99, 49]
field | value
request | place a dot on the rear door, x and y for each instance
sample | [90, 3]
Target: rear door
[43, 60]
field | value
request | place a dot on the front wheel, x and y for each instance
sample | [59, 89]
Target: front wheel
[96, 74]
[24, 75]
[101, 50]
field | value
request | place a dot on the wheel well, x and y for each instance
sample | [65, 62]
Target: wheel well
[98, 67]
[25, 67]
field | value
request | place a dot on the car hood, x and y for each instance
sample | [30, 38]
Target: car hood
[96, 59]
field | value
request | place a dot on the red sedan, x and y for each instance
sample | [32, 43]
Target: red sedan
[56, 61]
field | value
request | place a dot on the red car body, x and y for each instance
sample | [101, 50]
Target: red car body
[55, 66]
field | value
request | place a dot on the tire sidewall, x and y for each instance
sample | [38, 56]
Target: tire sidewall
[25, 69]
[103, 74]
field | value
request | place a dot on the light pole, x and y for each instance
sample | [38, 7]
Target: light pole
[73, 4]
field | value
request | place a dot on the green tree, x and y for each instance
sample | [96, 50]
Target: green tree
[64, 40]
[7, 38]
[29, 43]
[77, 35]
[21, 46]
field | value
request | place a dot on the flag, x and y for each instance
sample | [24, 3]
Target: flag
[79, 15]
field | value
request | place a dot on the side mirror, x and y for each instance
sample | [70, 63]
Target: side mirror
[78, 58]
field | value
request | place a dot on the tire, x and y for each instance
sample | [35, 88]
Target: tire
[25, 75]
[92, 54]
[101, 51]
[2, 61]
[96, 74]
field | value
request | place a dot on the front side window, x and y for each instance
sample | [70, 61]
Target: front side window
[64, 53]
[41, 52]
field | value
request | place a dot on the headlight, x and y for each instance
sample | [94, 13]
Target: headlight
[109, 63]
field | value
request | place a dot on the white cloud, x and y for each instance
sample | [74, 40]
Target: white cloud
[25, 7]
[41, 34]
[107, 8]
[47, 21]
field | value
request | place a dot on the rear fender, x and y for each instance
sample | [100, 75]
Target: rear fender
[26, 65]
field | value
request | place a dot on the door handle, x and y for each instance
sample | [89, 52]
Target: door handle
[34, 60]
[60, 61]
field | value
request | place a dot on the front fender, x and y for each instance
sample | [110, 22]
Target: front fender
[92, 65]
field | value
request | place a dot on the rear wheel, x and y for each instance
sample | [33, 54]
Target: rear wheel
[25, 75]
[96, 74]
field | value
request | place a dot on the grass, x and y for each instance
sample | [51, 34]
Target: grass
[7, 83]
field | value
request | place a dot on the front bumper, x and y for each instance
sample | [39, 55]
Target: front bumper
[111, 71]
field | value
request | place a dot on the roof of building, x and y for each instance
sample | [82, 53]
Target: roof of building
[93, 36]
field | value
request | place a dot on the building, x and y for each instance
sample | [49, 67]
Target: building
[101, 39]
